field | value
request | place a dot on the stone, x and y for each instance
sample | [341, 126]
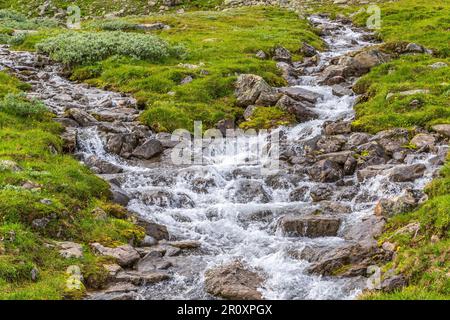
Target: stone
[442, 129]
[407, 93]
[325, 171]
[69, 138]
[102, 166]
[301, 94]
[224, 125]
[69, 249]
[83, 118]
[307, 50]
[340, 91]
[423, 140]
[438, 65]
[186, 80]
[119, 196]
[311, 226]
[406, 202]
[233, 281]
[249, 87]
[299, 194]
[248, 113]
[301, 111]
[141, 278]
[347, 260]
[330, 144]
[392, 140]
[9, 165]
[338, 157]
[261, 55]
[40, 223]
[388, 246]
[152, 26]
[281, 54]
[149, 149]
[372, 171]
[148, 241]
[154, 230]
[125, 255]
[319, 193]
[407, 172]
[184, 244]
[244, 191]
[356, 139]
[392, 283]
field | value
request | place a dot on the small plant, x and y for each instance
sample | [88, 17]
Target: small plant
[18, 105]
[113, 25]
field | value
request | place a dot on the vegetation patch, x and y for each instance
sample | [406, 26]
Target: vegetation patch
[46, 197]
[78, 48]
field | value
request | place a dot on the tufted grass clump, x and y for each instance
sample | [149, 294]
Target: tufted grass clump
[112, 25]
[75, 48]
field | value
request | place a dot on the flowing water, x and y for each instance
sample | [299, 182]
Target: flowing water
[230, 223]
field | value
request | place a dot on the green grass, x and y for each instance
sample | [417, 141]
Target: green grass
[74, 192]
[221, 44]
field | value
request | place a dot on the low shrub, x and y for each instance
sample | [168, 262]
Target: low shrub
[87, 47]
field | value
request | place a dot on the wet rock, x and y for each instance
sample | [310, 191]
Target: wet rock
[233, 281]
[148, 241]
[350, 165]
[69, 138]
[300, 94]
[118, 291]
[340, 91]
[392, 140]
[372, 171]
[244, 191]
[167, 199]
[299, 194]
[330, 144]
[202, 185]
[153, 262]
[348, 260]
[300, 110]
[102, 166]
[184, 244]
[338, 157]
[69, 249]
[356, 139]
[366, 230]
[125, 255]
[281, 54]
[307, 50]
[423, 140]
[338, 127]
[249, 88]
[83, 118]
[154, 230]
[149, 149]
[334, 207]
[141, 278]
[319, 193]
[224, 125]
[442, 129]
[166, 140]
[311, 226]
[119, 196]
[326, 171]
[406, 202]
[122, 144]
[407, 172]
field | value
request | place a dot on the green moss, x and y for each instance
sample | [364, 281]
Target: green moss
[268, 117]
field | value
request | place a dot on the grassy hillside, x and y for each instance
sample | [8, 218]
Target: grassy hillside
[40, 184]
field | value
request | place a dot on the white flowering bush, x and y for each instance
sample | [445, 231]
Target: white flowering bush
[77, 48]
